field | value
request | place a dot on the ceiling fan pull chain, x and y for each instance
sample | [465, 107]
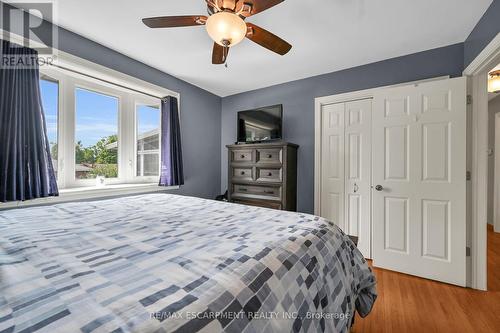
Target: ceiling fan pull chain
[226, 52]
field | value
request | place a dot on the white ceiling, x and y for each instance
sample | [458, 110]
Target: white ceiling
[327, 35]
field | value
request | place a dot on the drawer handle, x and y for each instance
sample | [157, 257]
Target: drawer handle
[242, 156]
[269, 192]
[243, 173]
[243, 189]
[269, 156]
[269, 174]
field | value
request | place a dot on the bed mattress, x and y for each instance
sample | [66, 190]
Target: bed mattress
[169, 263]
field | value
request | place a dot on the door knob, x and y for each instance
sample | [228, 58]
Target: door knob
[379, 188]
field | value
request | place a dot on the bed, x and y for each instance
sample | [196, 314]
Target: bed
[169, 263]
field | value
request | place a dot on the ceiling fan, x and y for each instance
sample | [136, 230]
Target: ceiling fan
[226, 26]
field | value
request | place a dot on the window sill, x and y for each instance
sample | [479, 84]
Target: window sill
[89, 193]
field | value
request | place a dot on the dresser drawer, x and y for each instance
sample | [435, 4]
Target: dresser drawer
[272, 192]
[269, 174]
[259, 203]
[242, 156]
[242, 173]
[269, 155]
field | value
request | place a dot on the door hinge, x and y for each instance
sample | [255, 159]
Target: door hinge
[469, 99]
[467, 251]
[468, 175]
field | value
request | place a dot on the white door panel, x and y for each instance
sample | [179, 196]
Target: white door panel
[332, 166]
[396, 224]
[358, 172]
[419, 147]
[346, 169]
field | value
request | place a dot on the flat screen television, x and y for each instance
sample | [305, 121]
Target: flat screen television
[259, 125]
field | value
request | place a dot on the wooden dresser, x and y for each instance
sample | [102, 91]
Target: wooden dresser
[263, 174]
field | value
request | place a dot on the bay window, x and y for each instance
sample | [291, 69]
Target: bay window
[97, 129]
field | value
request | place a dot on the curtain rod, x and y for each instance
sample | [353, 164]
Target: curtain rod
[108, 82]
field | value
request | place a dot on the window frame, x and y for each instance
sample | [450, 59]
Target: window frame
[151, 102]
[100, 90]
[128, 101]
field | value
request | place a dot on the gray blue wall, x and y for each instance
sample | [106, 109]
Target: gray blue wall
[200, 111]
[485, 30]
[297, 98]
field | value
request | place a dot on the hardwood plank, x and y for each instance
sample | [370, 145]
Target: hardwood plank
[493, 259]
[411, 304]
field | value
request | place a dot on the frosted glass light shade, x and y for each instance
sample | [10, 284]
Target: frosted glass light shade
[224, 27]
[494, 82]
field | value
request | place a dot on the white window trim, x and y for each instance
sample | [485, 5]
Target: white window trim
[72, 68]
[70, 171]
[141, 102]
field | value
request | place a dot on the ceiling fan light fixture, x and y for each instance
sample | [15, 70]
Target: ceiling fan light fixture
[494, 82]
[226, 28]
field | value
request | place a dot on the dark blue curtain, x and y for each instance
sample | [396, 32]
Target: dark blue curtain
[171, 151]
[26, 170]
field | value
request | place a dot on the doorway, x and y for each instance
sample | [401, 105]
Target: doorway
[415, 179]
[493, 226]
[477, 73]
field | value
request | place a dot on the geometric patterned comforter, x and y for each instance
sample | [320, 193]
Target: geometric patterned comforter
[169, 263]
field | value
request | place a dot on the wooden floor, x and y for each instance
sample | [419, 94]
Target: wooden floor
[410, 304]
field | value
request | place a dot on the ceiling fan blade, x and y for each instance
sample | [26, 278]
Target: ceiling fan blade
[267, 39]
[174, 21]
[219, 54]
[252, 7]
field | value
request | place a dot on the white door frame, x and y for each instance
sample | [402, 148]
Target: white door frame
[319, 102]
[496, 177]
[478, 87]
[478, 140]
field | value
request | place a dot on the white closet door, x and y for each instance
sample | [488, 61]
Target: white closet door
[419, 172]
[358, 172]
[332, 163]
[346, 169]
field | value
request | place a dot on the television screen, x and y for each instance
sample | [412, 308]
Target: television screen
[263, 124]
